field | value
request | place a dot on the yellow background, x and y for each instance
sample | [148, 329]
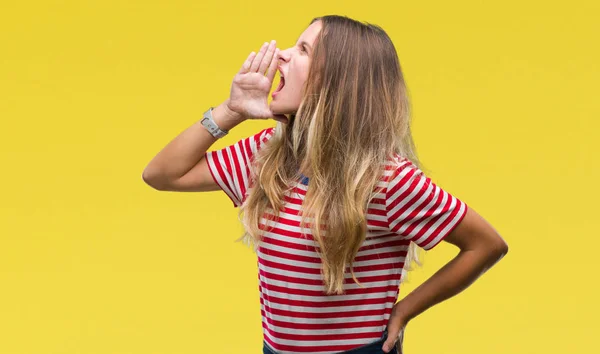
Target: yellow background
[505, 102]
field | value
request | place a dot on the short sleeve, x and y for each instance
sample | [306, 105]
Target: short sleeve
[417, 209]
[230, 166]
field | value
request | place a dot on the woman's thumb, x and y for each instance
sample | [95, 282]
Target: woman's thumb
[392, 336]
[389, 344]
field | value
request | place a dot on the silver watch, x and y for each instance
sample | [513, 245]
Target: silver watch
[210, 125]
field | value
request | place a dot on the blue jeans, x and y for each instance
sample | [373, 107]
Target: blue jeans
[371, 348]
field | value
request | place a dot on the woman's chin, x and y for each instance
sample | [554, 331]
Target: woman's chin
[277, 108]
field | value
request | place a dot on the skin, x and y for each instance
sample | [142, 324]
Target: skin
[251, 85]
[294, 64]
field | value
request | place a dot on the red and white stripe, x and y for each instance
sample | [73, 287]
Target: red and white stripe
[297, 316]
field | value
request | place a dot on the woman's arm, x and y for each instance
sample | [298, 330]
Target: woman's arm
[184, 155]
[181, 166]
[480, 248]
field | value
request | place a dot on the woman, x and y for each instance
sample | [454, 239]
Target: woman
[341, 155]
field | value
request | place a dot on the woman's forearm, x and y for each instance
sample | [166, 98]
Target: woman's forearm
[188, 148]
[451, 279]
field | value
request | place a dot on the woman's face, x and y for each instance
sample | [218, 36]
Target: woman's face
[294, 64]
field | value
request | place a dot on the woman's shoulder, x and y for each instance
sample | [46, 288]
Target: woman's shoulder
[251, 144]
[400, 169]
[265, 134]
[398, 162]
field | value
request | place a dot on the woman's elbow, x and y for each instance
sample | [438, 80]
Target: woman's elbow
[495, 249]
[153, 179]
[499, 247]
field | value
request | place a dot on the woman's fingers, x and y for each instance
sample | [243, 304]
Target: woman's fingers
[395, 333]
[268, 58]
[258, 58]
[273, 66]
[246, 66]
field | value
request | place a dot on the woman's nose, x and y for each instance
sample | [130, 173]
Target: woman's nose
[283, 55]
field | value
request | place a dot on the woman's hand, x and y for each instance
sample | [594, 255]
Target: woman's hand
[250, 87]
[395, 329]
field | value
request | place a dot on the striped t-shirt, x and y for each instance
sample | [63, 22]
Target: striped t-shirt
[297, 315]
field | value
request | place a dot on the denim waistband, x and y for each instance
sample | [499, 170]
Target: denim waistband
[369, 348]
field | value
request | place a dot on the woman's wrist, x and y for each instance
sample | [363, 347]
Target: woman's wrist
[225, 118]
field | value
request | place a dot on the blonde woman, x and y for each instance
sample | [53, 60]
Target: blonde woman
[341, 156]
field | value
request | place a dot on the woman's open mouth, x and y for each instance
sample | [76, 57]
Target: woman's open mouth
[281, 84]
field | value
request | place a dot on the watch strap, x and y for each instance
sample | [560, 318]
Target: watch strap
[210, 125]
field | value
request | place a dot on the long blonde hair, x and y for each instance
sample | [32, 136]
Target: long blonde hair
[354, 117]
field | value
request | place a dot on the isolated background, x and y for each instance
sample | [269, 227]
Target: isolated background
[93, 261]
